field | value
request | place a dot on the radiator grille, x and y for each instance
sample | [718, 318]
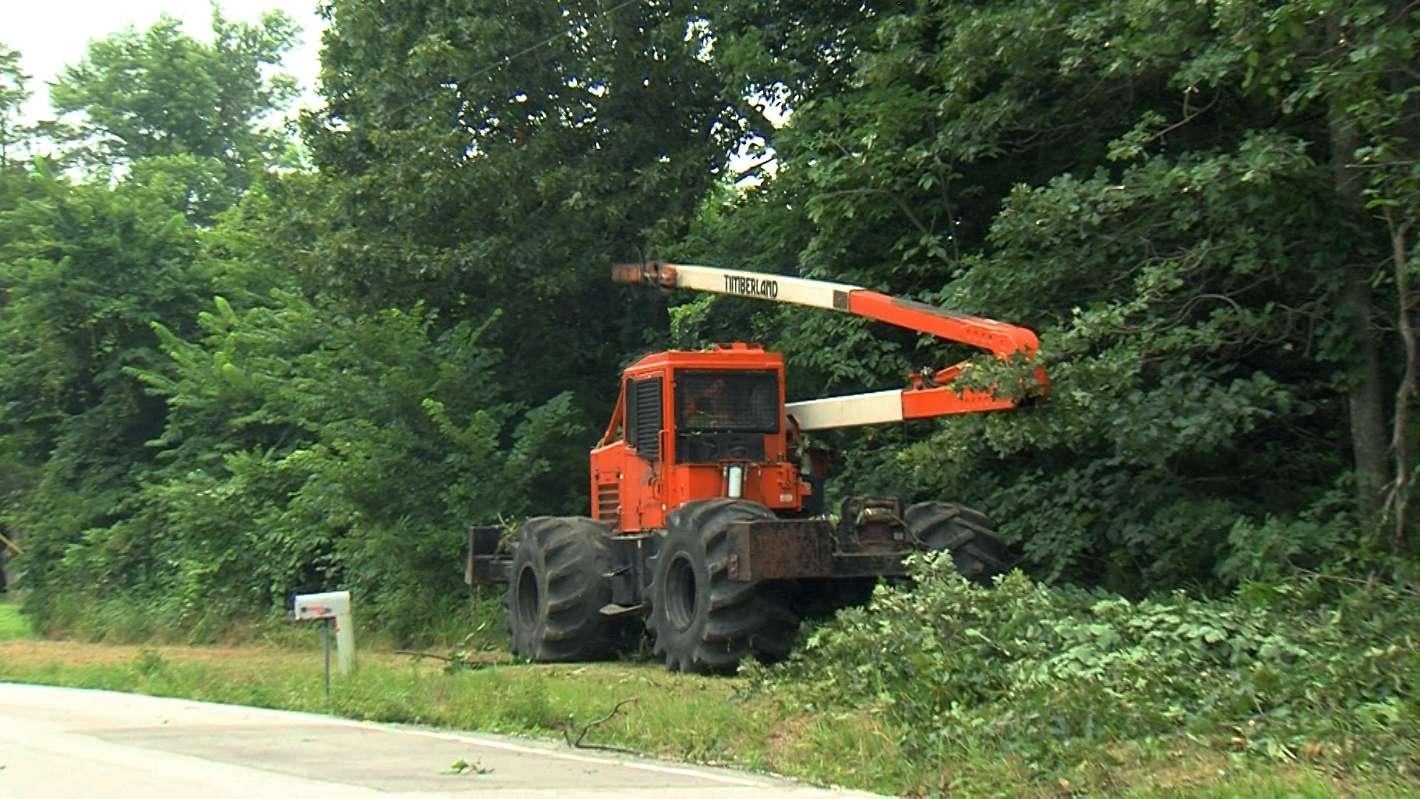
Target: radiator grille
[608, 502]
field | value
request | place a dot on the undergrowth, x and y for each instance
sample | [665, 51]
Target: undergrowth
[1052, 680]
[12, 624]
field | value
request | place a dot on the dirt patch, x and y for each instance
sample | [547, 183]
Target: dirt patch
[785, 735]
[35, 653]
[73, 653]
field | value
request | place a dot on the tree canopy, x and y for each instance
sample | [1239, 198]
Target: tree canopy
[220, 377]
[162, 93]
[13, 93]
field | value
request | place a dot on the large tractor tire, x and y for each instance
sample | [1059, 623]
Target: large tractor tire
[968, 534]
[559, 586]
[701, 620]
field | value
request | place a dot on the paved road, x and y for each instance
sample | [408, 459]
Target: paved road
[57, 742]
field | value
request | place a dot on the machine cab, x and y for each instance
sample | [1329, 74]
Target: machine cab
[691, 426]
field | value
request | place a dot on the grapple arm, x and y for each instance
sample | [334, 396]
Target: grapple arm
[930, 395]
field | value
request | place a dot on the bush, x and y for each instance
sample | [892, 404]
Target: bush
[308, 451]
[1040, 672]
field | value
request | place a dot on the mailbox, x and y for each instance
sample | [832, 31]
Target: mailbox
[331, 607]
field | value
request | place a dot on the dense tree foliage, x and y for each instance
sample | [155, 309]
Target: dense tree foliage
[1139, 182]
[89, 264]
[472, 176]
[220, 378]
[162, 93]
[13, 93]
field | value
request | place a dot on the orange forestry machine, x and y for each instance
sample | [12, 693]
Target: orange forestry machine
[703, 521]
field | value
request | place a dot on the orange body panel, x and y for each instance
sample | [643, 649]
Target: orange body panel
[635, 494]
[999, 338]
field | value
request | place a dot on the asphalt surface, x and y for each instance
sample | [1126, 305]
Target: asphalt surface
[61, 742]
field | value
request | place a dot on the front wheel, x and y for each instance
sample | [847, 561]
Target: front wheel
[559, 585]
[968, 534]
[702, 620]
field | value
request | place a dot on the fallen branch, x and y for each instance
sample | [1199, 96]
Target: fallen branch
[458, 661]
[417, 655]
[577, 743]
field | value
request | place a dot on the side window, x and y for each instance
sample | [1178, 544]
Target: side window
[643, 417]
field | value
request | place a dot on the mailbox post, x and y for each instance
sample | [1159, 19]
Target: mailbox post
[332, 607]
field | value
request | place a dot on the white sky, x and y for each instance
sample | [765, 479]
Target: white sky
[51, 34]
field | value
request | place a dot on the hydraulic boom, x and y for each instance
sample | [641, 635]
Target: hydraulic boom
[931, 393]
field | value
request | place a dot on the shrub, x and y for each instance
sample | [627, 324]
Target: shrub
[1037, 671]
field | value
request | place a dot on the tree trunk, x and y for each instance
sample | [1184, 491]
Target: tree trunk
[1366, 402]
[1366, 395]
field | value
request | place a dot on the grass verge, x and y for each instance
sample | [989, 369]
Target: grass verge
[702, 720]
[12, 624]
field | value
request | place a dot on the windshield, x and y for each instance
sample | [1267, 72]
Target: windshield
[725, 401]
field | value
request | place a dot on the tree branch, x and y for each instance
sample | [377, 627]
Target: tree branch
[1399, 498]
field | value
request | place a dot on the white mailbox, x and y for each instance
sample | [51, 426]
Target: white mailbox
[333, 605]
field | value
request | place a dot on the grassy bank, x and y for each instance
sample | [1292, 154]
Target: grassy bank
[685, 718]
[12, 624]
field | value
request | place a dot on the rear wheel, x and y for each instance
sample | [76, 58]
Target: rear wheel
[702, 620]
[558, 588]
[968, 534]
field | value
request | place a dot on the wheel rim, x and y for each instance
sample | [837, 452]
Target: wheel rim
[682, 593]
[528, 596]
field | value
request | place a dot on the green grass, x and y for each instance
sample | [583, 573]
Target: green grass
[12, 624]
[137, 620]
[1277, 784]
[695, 719]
